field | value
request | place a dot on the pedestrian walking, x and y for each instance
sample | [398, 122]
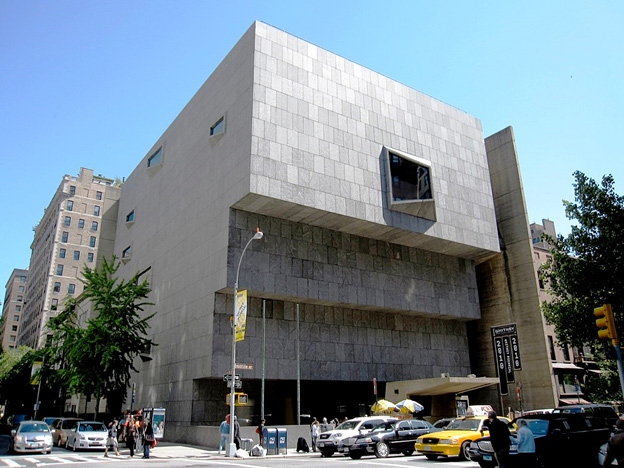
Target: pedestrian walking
[260, 432]
[615, 446]
[131, 436]
[111, 441]
[526, 445]
[237, 436]
[224, 432]
[500, 437]
[148, 437]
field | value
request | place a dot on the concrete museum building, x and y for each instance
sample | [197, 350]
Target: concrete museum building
[395, 238]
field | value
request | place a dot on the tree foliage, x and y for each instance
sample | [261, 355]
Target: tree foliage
[15, 369]
[96, 357]
[587, 268]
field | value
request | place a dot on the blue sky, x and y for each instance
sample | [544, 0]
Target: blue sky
[95, 83]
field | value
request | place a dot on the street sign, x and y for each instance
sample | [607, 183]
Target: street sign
[240, 365]
[228, 377]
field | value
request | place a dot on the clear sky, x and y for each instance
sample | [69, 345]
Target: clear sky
[95, 83]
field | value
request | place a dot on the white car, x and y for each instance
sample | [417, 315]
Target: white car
[31, 436]
[87, 435]
[327, 442]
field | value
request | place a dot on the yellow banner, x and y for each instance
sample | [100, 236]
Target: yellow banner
[34, 379]
[241, 314]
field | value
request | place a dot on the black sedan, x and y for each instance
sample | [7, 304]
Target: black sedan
[386, 438]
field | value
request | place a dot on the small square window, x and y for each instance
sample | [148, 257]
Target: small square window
[59, 270]
[65, 236]
[22, 279]
[72, 190]
[94, 226]
[62, 253]
[72, 288]
[98, 195]
[16, 318]
[155, 159]
[67, 221]
[218, 127]
[92, 241]
[81, 223]
[126, 254]
[20, 298]
[18, 308]
[70, 205]
[96, 210]
[21, 289]
[90, 257]
[76, 254]
[54, 304]
[14, 328]
[12, 338]
[130, 217]
[57, 287]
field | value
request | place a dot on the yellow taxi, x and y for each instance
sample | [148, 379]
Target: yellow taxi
[455, 440]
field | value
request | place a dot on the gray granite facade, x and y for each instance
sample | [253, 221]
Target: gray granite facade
[300, 153]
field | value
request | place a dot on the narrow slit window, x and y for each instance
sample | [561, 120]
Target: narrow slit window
[218, 127]
[155, 159]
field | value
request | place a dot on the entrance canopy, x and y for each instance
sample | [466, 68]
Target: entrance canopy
[439, 386]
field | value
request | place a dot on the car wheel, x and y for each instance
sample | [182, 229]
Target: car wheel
[431, 457]
[483, 464]
[407, 453]
[355, 456]
[382, 450]
[464, 451]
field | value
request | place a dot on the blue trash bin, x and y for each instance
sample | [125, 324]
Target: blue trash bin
[282, 440]
[269, 440]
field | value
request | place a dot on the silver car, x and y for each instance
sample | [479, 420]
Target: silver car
[31, 436]
[87, 435]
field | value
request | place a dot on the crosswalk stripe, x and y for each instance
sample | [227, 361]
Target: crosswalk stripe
[9, 462]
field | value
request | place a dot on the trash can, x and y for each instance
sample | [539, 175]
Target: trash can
[269, 440]
[247, 444]
[282, 440]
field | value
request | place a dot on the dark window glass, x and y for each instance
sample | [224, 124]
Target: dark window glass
[98, 195]
[62, 253]
[81, 223]
[96, 210]
[72, 288]
[90, 257]
[72, 190]
[67, 221]
[410, 181]
[94, 226]
[218, 127]
[127, 253]
[70, 205]
[57, 287]
[92, 241]
[65, 236]
[59, 270]
[130, 217]
[76, 254]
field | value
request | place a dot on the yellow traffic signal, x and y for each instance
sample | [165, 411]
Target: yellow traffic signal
[240, 399]
[605, 322]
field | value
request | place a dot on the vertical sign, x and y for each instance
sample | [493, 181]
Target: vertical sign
[375, 386]
[506, 354]
[241, 314]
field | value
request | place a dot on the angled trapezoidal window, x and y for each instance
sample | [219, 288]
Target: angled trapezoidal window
[409, 184]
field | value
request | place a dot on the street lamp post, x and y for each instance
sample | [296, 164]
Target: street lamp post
[231, 449]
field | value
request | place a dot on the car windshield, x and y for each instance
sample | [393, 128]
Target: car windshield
[464, 425]
[68, 424]
[35, 427]
[539, 427]
[348, 425]
[89, 427]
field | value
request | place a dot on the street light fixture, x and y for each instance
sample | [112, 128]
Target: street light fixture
[231, 449]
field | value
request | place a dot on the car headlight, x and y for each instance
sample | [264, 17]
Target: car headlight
[366, 440]
[336, 436]
[452, 441]
[20, 438]
[419, 440]
[48, 439]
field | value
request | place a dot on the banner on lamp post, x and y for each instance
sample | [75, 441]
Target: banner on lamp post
[241, 314]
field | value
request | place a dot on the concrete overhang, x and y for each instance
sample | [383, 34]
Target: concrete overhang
[439, 386]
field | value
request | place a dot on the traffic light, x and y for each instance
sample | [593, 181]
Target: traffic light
[605, 323]
[240, 399]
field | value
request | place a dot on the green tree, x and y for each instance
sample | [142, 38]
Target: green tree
[15, 387]
[587, 268]
[97, 357]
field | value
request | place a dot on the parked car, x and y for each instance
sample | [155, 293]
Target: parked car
[442, 423]
[87, 435]
[386, 438]
[49, 420]
[455, 440]
[561, 439]
[31, 436]
[60, 428]
[327, 442]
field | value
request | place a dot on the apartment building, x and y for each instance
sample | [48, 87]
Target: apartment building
[564, 359]
[77, 227]
[395, 237]
[14, 300]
